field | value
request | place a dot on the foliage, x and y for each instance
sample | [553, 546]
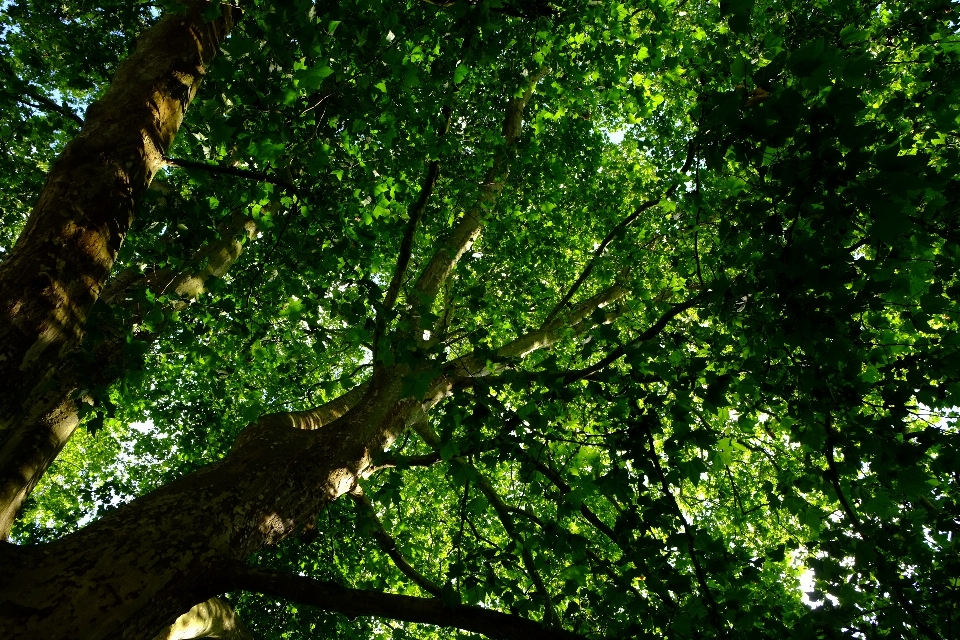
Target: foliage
[799, 416]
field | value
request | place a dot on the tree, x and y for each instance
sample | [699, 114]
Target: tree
[551, 320]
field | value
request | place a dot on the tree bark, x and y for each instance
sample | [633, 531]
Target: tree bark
[214, 618]
[136, 570]
[58, 267]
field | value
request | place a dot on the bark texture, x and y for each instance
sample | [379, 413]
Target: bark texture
[214, 618]
[135, 571]
[57, 270]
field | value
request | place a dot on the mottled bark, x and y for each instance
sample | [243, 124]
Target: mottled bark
[31, 445]
[214, 618]
[136, 570]
[55, 272]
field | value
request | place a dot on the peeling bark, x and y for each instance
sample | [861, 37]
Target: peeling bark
[55, 272]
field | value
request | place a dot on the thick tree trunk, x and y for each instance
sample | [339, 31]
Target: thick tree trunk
[135, 571]
[57, 269]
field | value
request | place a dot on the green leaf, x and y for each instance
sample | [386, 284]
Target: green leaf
[310, 79]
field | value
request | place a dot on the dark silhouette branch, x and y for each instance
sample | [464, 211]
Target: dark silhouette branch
[415, 214]
[50, 105]
[707, 594]
[353, 603]
[503, 512]
[619, 352]
[601, 526]
[231, 171]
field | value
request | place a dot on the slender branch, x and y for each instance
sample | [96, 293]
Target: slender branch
[858, 527]
[230, 171]
[329, 596]
[50, 105]
[613, 234]
[506, 519]
[214, 618]
[619, 352]
[599, 524]
[389, 545]
[429, 435]
[565, 488]
[605, 564]
[691, 548]
[415, 214]
[475, 364]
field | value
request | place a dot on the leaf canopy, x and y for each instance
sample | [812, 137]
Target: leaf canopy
[777, 179]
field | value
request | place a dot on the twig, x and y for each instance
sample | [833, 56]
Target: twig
[389, 545]
[231, 171]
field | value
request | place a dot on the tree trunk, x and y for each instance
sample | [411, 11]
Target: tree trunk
[57, 269]
[135, 571]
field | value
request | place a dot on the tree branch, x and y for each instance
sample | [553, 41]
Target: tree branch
[317, 417]
[691, 548]
[882, 561]
[503, 513]
[476, 364]
[468, 228]
[50, 105]
[231, 171]
[389, 545]
[600, 525]
[212, 260]
[415, 214]
[619, 352]
[430, 436]
[613, 234]
[356, 602]
[605, 564]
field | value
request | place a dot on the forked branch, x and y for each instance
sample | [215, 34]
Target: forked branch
[578, 320]
[389, 545]
[615, 233]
